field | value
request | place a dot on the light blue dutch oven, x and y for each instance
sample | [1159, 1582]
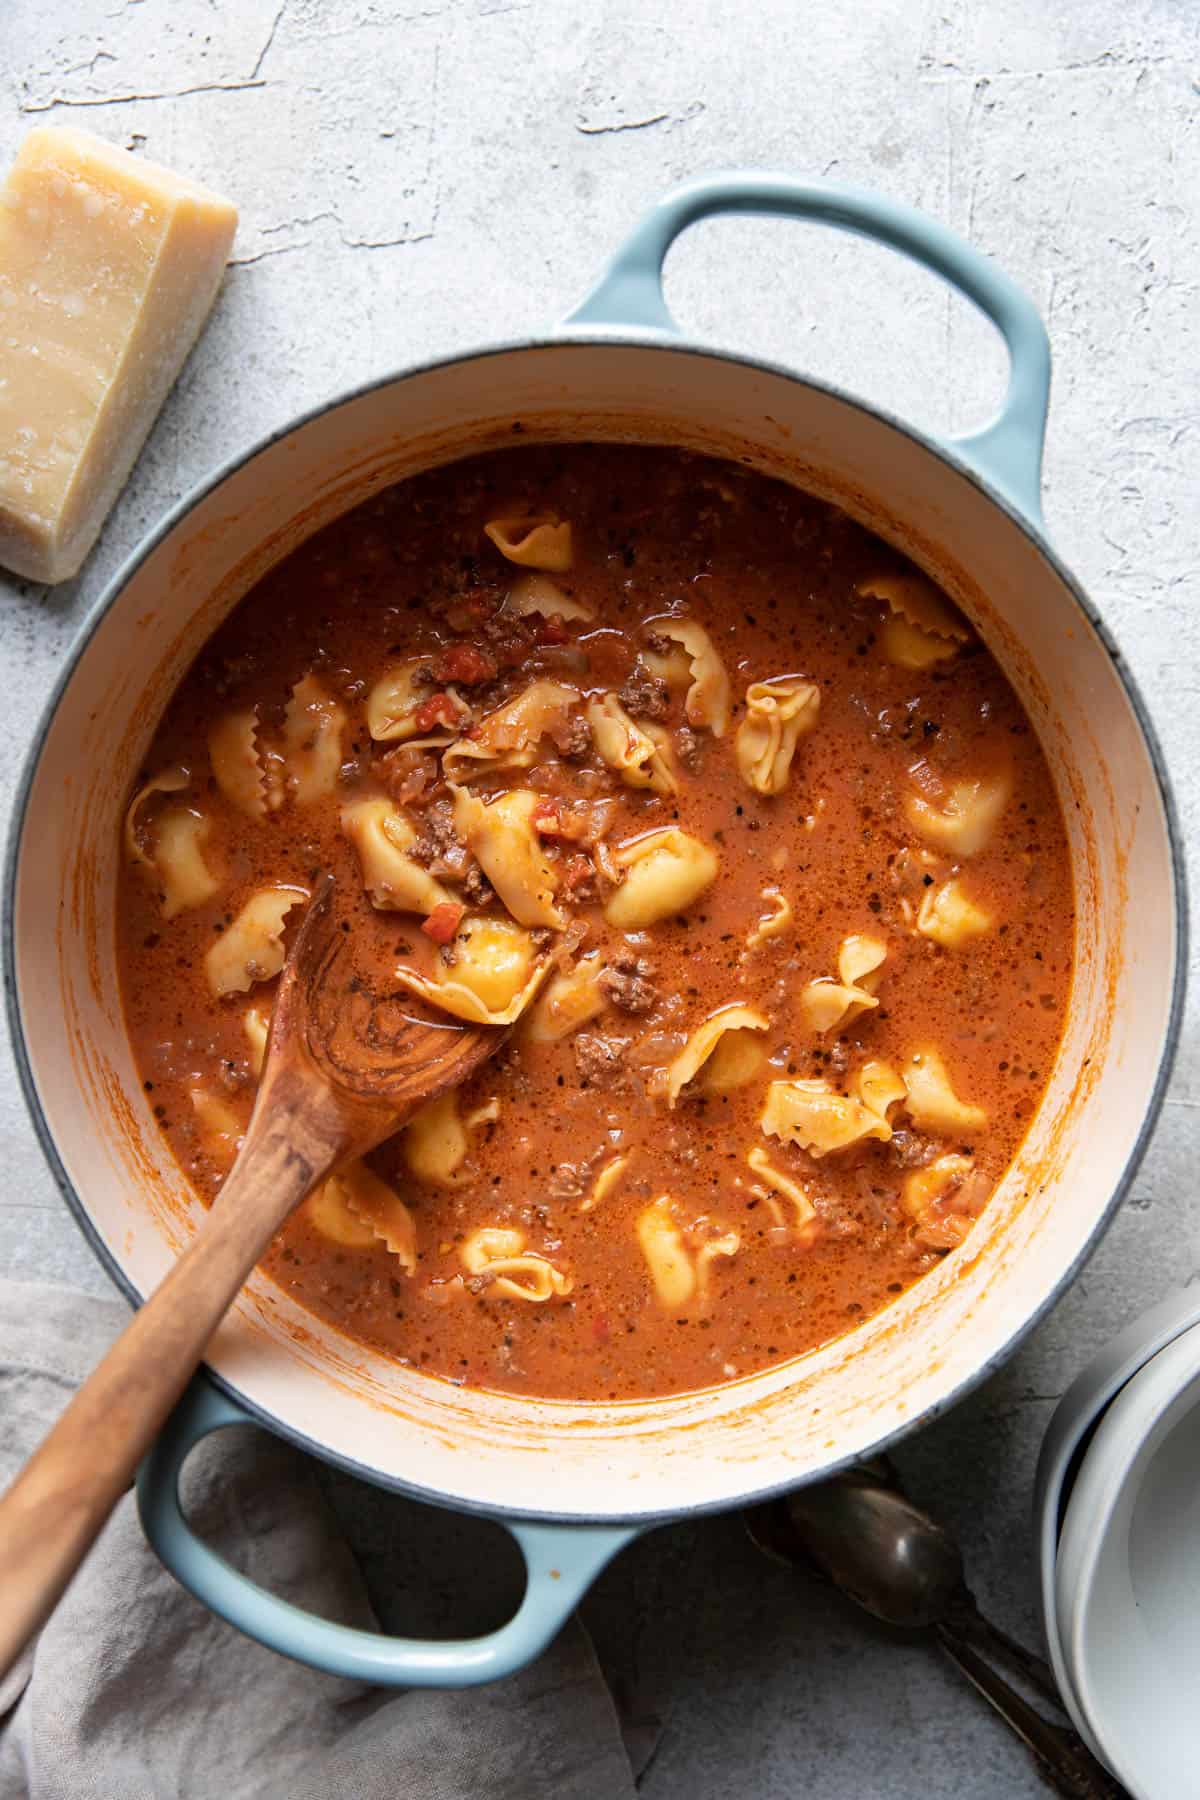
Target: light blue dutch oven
[574, 1483]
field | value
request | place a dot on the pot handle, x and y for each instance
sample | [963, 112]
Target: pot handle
[1008, 452]
[561, 1561]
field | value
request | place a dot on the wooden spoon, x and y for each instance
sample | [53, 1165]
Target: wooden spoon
[344, 1068]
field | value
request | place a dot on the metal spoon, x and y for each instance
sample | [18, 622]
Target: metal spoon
[902, 1567]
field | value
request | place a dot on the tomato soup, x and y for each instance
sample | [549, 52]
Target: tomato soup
[719, 807]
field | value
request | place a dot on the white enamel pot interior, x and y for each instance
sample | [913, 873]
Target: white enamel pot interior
[767, 1431]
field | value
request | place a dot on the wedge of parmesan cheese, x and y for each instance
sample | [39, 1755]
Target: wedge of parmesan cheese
[108, 268]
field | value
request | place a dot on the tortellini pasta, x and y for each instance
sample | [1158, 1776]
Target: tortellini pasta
[184, 877]
[541, 542]
[777, 1183]
[830, 1005]
[377, 1202]
[569, 1000]
[950, 917]
[256, 779]
[537, 594]
[921, 628]
[914, 597]
[707, 701]
[494, 976]
[812, 1115]
[963, 822]
[220, 1127]
[313, 725]
[329, 1215]
[661, 1241]
[932, 1102]
[607, 1181]
[498, 1254]
[860, 958]
[943, 1200]
[672, 665]
[486, 1113]
[908, 647]
[233, 753]
[679, 1258]
[435, 1141]
[639, 754]
[175, 837]
[773, 922]
[926, 1185]
[737, 1059]
[778, 713]
[510, 736]
[251, 949]
[382, 836]
[394, 703]
[721, 1052]
[357, 1208]
[879, 1087]
[663, 873]
[502, 837]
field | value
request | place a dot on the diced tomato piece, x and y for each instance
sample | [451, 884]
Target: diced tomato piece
[552, 819]
[443, 921]
[439, 709]
[600, 1328]
[552, 631]
[547, 818]
[578, 873]
[465, 663]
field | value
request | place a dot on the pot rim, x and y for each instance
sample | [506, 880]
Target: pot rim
[568, 338]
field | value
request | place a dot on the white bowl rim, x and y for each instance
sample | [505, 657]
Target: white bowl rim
[1118, 1456]
[1079, 1411]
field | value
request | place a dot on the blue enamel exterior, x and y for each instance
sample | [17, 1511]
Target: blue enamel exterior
[563, 1558]
[1008, 452]
[561, 1562]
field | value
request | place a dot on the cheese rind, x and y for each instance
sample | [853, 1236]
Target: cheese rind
[109, 266]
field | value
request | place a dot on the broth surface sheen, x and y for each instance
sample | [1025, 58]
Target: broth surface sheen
[478, 731]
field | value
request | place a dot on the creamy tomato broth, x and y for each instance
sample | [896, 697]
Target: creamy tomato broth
[715, 799]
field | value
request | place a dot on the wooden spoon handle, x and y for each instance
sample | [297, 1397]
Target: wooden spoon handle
[55, 1508]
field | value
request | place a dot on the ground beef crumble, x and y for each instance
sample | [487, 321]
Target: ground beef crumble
[568, 1181]
[644, 695]
[910, 1150]
[438, 848]
[601, 1060]
[687, 747]
[626, 983]
[579, 879]
[573, 738]
[476, 886]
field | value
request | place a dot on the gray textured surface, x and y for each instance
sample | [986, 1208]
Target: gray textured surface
[418, 175]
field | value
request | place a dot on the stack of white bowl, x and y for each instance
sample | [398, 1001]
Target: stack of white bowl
[1118, 1517]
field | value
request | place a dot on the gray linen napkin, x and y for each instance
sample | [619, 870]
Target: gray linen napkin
[134, 1691]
